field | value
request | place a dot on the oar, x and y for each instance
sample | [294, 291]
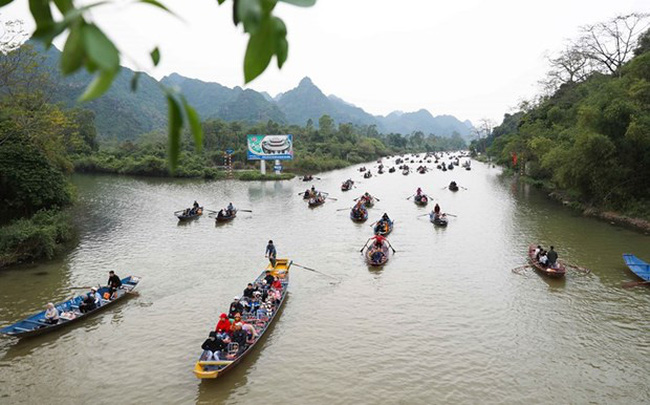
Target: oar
[316, 271]
[364, 246]
[376, 198]
[301, 193]
[464, 188]
[451, 215]
[408, 198]
[391, 246]
[343, 209]
[332, 198]
[245, 210]
[371, 225]
[444, 187]
[422, 215]
[634, 284]
[214, 212]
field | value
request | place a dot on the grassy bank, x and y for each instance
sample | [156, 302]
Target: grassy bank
[43, 236]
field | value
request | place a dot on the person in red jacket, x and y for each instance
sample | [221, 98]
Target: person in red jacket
[224, 325]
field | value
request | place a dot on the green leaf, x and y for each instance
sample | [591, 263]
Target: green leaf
[155, 56]
[195, 124]
[175, 124]
[42, 13]
[134, 81]
[250, 13]
[99, 85]
[301, 3]
[157, 4]
[100, 49]
[5, 2]
[73, 51]
[281, 51]
[259, 51]
[64, 6]
[221, 1]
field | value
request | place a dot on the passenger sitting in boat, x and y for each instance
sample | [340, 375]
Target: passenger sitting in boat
[51, 314]
[114, 283]
[235, 307]
[274, 296]
[239, 337]
[377, 256]
[249, 290]
[88, 304]
[96, 296]
[224, 325]
[251, 333]
[277, 284]
[196, 206]
[230, 209]
[269, 278]
[237, 319]
[213, 346]
[543, 259]
[552, 257]
[538, 249]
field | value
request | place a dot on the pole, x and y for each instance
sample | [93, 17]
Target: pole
[263, 166]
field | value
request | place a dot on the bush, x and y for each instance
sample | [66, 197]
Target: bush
[41, 236]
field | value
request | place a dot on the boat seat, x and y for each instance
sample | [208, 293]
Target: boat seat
[18, 328]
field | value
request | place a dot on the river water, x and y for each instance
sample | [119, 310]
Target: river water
[445, 321]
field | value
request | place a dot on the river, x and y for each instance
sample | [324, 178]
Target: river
[445, 321]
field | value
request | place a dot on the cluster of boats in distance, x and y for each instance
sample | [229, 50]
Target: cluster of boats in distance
[260, 309]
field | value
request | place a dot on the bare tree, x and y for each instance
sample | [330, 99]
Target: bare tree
[611, 43]
[12, 35]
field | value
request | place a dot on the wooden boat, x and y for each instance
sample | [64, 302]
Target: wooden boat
[405, 172]
[368, 202]
[362, 169]
[453, 186]
[362, 218]
[367, 174]
[438, 220]
[391, 170]
[347, 185]
[558, 272]
[379, 231]
[421, 199]
[371, 249]
[226, 218]
[637, 266]
[182, 216]
[422, 170]
[316, 201]
[214, 369]
[450, 167]
[309, 177]
[36, 325]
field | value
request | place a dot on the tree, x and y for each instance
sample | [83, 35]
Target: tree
[326, 125]
[611, 43]
[643, 44]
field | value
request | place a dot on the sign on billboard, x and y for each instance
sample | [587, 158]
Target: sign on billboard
[270, 147]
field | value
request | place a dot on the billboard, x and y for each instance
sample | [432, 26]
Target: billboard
[270, 147]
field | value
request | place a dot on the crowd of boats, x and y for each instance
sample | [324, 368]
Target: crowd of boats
[251, 314]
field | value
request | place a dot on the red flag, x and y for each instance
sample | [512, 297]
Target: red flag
[514, 159]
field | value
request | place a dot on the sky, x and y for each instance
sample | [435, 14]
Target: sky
[472, 59]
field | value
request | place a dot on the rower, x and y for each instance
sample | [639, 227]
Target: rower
[114, 283]
[436, 209]
[271, 253]
[419, 191]
[230, 209]
[552, 256]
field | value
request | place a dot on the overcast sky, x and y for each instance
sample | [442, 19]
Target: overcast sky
[469, 58]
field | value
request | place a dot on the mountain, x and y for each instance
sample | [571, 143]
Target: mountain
[308, 102]
[123, 114]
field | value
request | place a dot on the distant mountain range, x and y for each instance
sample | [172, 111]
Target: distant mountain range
[122, 114]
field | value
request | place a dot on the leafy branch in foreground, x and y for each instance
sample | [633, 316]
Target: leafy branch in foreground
[87, 46]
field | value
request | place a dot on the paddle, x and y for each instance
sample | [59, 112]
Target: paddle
[444, 187]
[371, 225]
[408, 198]
[464, 188]
[364, 246]
[421, 215]
[214, 212]
[343, 209]
[634, 284]
[332, 198]
[451, 215]
[246, 210]
[316, 271]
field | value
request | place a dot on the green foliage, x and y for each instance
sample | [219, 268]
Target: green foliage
[591, 140]
[41, 236]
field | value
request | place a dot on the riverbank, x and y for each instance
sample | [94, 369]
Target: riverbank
[44, 236]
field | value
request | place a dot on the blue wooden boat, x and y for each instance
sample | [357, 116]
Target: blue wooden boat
[36, 325]
[638, 266]
[378, 230]
[186, 215]
[261, 321]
